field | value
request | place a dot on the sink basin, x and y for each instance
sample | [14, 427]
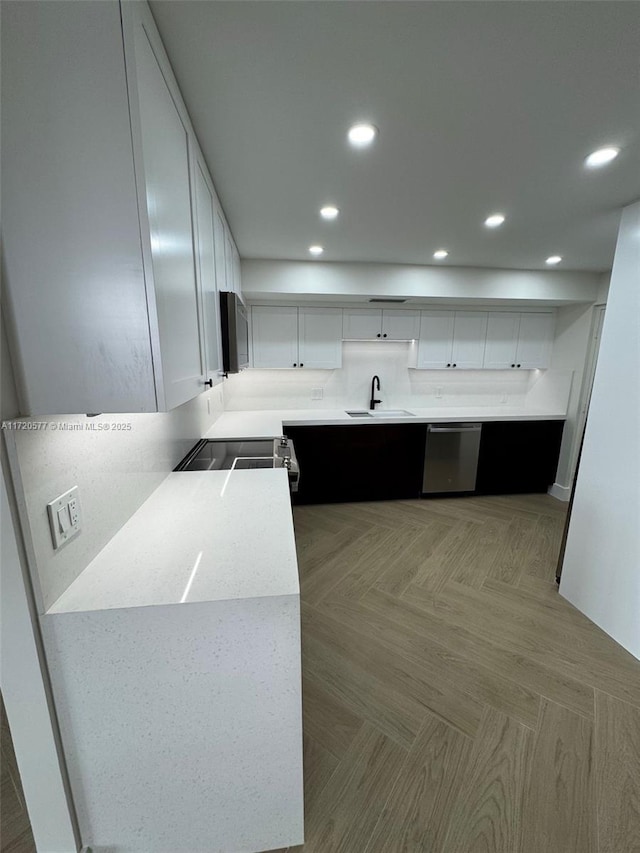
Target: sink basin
[381, 413]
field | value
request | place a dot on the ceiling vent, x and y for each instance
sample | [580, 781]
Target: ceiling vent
[388, 300]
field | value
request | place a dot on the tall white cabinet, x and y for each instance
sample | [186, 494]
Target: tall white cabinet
[206, 257]
[164, 158]
[110, 302]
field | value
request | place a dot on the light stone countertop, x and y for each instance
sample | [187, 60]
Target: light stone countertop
[270, 422]
[200, 536]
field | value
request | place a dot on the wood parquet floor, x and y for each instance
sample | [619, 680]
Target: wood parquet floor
[453, 701]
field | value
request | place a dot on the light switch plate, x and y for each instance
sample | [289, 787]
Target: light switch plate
[65, 517]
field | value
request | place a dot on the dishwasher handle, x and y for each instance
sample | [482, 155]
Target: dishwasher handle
[460, 428]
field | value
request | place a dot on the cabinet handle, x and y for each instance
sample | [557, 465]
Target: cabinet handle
[209, 382]
[385, 335]
[519, 365]
[378, 335]
[301, 364]
[295, 364]
[513, 365]
[448, 365]
[455, 365]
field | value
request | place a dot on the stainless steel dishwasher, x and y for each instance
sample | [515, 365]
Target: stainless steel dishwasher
[451, 457]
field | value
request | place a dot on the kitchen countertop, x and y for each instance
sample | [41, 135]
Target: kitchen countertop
[270, 422]
[200, 536]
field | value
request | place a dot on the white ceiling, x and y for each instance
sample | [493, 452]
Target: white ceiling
[481, 107]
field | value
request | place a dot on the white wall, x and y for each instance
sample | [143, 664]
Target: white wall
[572, 336]
[601, 571]
[314, 279]
[115, 471]
[23, 679]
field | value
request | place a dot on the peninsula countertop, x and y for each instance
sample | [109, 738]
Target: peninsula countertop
[200, 536]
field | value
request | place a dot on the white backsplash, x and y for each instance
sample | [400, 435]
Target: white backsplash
[115, 471]
[400, 386]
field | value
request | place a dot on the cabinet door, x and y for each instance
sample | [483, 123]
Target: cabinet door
[165, 153]
[518, 456]
[207, 275]
[359, 463]
[275, 336]
[400, 325]
[469, 335]
[220, 247]
[237, 285]
[320, 341]
[535, 340]
[361, 324]
[502, 340]
[436, 339]
[228, 260]
[72, 263]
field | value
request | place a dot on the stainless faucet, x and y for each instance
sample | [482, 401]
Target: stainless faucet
[373, 401]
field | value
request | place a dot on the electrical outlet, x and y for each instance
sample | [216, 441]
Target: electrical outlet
[317, 393]
[65, 518]
[438, 393]
[503, 399]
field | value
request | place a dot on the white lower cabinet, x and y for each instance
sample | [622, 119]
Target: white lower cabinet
[296, 337]
[519, 340]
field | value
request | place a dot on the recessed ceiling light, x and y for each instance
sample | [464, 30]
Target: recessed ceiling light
[553, 260]
[329, 212]
[601, 157]
[316, 250]
[495, 220]
[361, 135]
[440, 254]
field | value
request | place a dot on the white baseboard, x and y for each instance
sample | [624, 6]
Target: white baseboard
[562, 493]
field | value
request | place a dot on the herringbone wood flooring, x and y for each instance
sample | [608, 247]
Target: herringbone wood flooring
[453, 701]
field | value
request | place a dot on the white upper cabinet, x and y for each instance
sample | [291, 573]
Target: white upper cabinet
[400, 325]
[502, 340]
[469, 333]
[274, 335]
[360, 324]
[519, 340]
[535, 340]
[74, 278]
[165, 161]
[220, 243]
[205, 244]
[110, 266]
[320, 337]
[296, 337]
[436, 339]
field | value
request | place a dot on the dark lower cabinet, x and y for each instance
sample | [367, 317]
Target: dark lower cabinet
[518, 456]
[386, 461]
[359, 463]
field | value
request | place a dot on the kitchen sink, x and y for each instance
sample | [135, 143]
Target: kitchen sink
[381, 413]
